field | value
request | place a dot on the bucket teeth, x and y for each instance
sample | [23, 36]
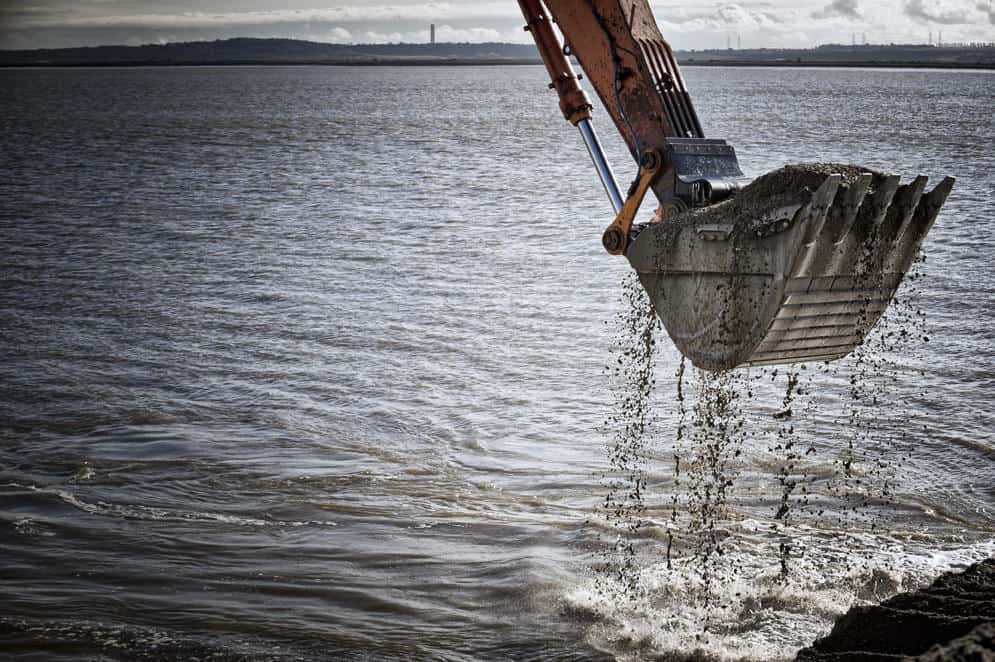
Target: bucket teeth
[877, 206]
[903, 205]
[819, 208]
[910, 238]
[836, 225]
[845, 208]
[928, 208]
[786, 291]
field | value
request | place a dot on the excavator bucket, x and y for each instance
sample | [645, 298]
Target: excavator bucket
[798, 266]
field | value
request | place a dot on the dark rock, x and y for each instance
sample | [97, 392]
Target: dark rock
[978, 645]
[952, 619]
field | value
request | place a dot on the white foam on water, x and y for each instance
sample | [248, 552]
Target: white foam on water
[153, 513]
[755, 613]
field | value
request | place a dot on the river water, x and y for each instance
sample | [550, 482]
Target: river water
[314, 363]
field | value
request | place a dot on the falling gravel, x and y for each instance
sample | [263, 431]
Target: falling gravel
[713, 416]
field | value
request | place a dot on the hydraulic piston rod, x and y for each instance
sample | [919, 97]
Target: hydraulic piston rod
[574, 103]
[601, 164]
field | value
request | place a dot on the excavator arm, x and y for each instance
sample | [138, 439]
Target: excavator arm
[633, 70]
[796, 266]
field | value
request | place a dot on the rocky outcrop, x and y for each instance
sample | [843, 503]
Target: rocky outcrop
[978, 645]
[952, 619]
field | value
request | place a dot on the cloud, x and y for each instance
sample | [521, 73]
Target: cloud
[449, 33]
[728, 17]
[93, 22]
[28, 12]
[986, 8]
[371, 37]
[947, 12]
[685, 23]
[443, 33]
[339, 34]
[477, 11]
[838, 8]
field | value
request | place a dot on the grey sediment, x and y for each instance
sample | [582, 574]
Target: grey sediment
[951, 619]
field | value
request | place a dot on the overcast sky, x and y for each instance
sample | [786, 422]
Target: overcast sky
[58, 23]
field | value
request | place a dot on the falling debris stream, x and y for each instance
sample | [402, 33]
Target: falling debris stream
[691, 544]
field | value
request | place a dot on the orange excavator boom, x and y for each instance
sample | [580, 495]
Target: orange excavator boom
[635, 74]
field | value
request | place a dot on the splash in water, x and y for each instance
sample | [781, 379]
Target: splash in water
[718, 562]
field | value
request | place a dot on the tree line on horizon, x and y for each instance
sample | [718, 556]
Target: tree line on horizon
[290, 51]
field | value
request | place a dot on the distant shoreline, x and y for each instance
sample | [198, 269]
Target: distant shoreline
[291, 52]
[486, 62]
[391, 62]
[877, 64]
